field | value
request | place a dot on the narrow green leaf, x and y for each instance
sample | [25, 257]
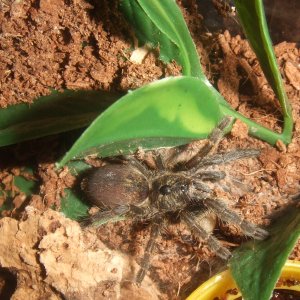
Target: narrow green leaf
[252, 16]
[160, 23]
[256, 266]
[164, 113]
[52, 114]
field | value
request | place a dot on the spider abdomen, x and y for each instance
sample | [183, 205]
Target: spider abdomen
[114, 185]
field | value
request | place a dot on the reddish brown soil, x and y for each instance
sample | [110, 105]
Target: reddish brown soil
[81, 44]
[67, 44]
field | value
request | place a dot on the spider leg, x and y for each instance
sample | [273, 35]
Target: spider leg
[145, 263]
[193, 220]
[201, 186]
[225, 214]
[223, 158]
[185, 157]
[159, 161]
[210, 175]
[211, 144]
[137, 164]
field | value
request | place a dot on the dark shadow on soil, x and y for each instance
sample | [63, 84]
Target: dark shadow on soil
[103, 12]
[8, 284]
[30, 153]
[283, 19]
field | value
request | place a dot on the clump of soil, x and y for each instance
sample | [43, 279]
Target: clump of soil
[81, 44]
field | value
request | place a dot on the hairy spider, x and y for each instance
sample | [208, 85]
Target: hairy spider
[130, 189]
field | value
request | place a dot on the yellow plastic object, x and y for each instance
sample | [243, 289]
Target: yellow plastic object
[220, 284]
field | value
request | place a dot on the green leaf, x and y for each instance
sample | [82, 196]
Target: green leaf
[27, 186]
[52, 114]
[256, 266]
[164, 113]
[252, 16]
[160, 23]
[7, 205]
[72, 206]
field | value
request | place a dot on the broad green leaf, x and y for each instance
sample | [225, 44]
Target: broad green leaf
[160, 23]
[256, 266]
[72, 206]
[164, 113]
[78, 167]
[252, 17]
[58, 112]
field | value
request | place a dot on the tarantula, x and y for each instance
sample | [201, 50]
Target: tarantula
[131, 189]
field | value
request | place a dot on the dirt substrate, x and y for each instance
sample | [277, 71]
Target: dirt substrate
[81, 44]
